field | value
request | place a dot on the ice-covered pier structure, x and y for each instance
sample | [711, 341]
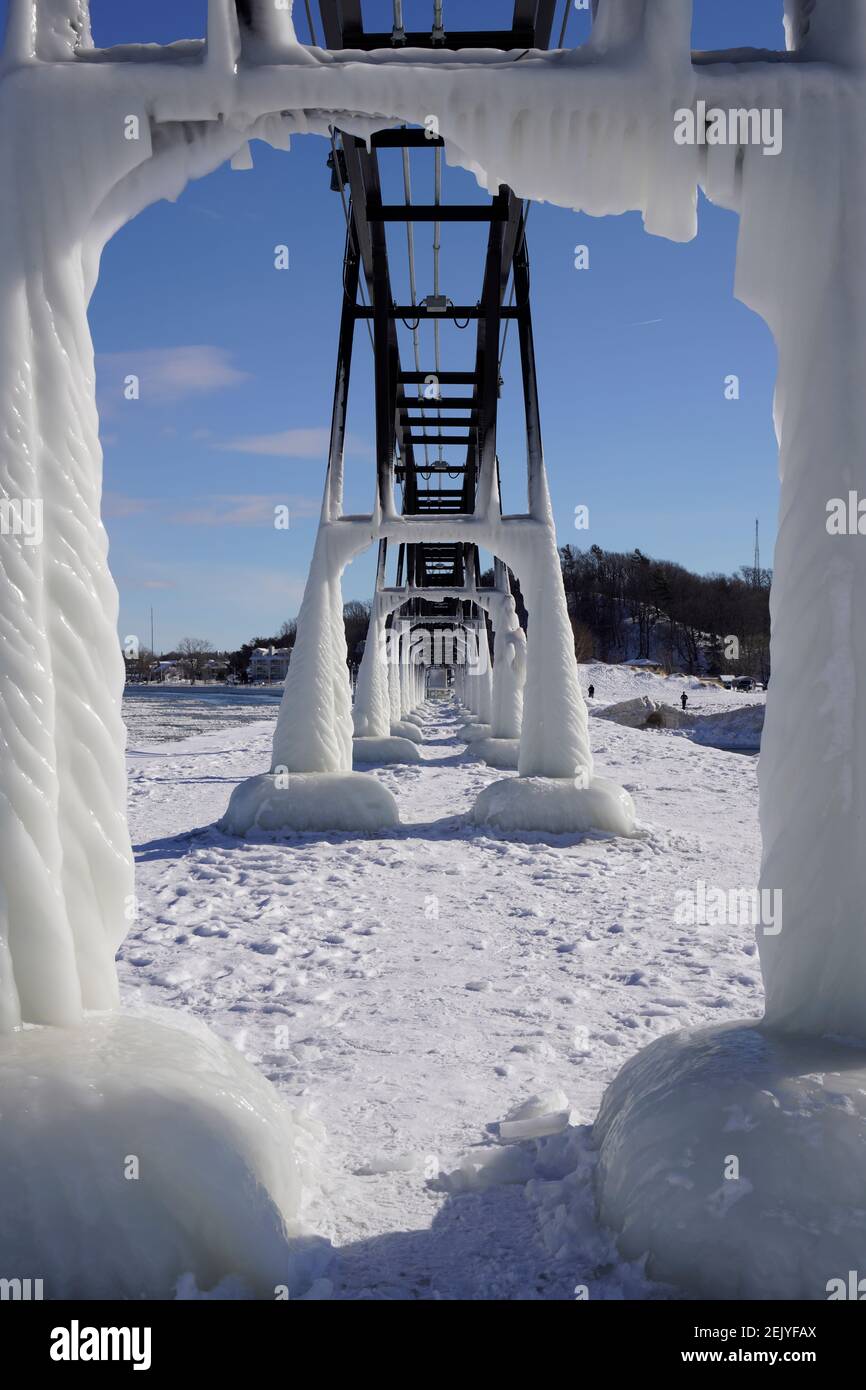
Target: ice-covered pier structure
[447, 509]
[88, 138]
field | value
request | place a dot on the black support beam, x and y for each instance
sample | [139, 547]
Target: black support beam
[432, 212]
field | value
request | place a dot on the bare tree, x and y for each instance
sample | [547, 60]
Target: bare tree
[194, 652]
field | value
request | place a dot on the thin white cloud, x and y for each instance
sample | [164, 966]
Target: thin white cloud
[115, 504]
[218, 509]
[168, 374]
[247, 509]
[293, 444]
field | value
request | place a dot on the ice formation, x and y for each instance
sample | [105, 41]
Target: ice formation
[560, 806]
[735, 1157]
[139, 1150]
[590, 130]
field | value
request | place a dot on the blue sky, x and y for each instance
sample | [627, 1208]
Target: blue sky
[236, 361]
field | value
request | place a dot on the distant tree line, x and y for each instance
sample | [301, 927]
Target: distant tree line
[356, 618]
[623, 605]
[628, 605]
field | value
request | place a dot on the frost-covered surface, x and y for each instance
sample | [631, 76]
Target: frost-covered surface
[141, 1151]
[385, 750]
[306, 801]
[432, 979]
[642, 713]
[163, 713]
[555, 806]
[740, 728]
[407, 730]
[736, 1158]
[497, 752]
[734, 728]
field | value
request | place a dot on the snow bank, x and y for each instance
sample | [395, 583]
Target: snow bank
[139, 1151]
[310, 802]
[739, 728]
[556, 1173]
[616, 682]
[737, 1162]
[735, 728]
[644, 713]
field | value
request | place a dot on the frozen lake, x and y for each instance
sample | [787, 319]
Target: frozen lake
[167, 713]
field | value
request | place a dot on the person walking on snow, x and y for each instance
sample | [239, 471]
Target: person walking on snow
[685, 699]
[592, 692]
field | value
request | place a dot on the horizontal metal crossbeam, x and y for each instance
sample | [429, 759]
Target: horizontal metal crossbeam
[442, 403]
[405, 138]
[420, 311]
[411, 420]
[444, 379]
[452, 439]
[434, 212]
[470, 38]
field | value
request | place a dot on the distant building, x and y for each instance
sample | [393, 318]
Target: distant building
[269, 663]
[216, 669]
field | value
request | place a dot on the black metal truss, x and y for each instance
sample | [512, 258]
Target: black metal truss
[399, 432]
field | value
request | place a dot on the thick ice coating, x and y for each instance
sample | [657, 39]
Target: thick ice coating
[590, 129]
[183, 1154]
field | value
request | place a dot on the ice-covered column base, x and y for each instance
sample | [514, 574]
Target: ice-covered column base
[502, 753]
[556, 791]
[385, 750]
[309, 802]
[502, 748]
[311, 786]
[407, 729]
[555, 806]
[473, 731]
[371, 715]
[736, 1159]
[141, 1152]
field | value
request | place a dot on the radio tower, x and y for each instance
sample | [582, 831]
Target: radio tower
[756, 572]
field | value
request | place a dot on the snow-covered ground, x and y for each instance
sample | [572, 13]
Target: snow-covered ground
[165, 713]
[719, 718]
[412, 989]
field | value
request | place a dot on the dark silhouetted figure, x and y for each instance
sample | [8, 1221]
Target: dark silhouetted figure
[685, 699]
[592, 692]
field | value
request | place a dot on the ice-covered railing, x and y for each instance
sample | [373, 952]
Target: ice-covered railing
[587, 129]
